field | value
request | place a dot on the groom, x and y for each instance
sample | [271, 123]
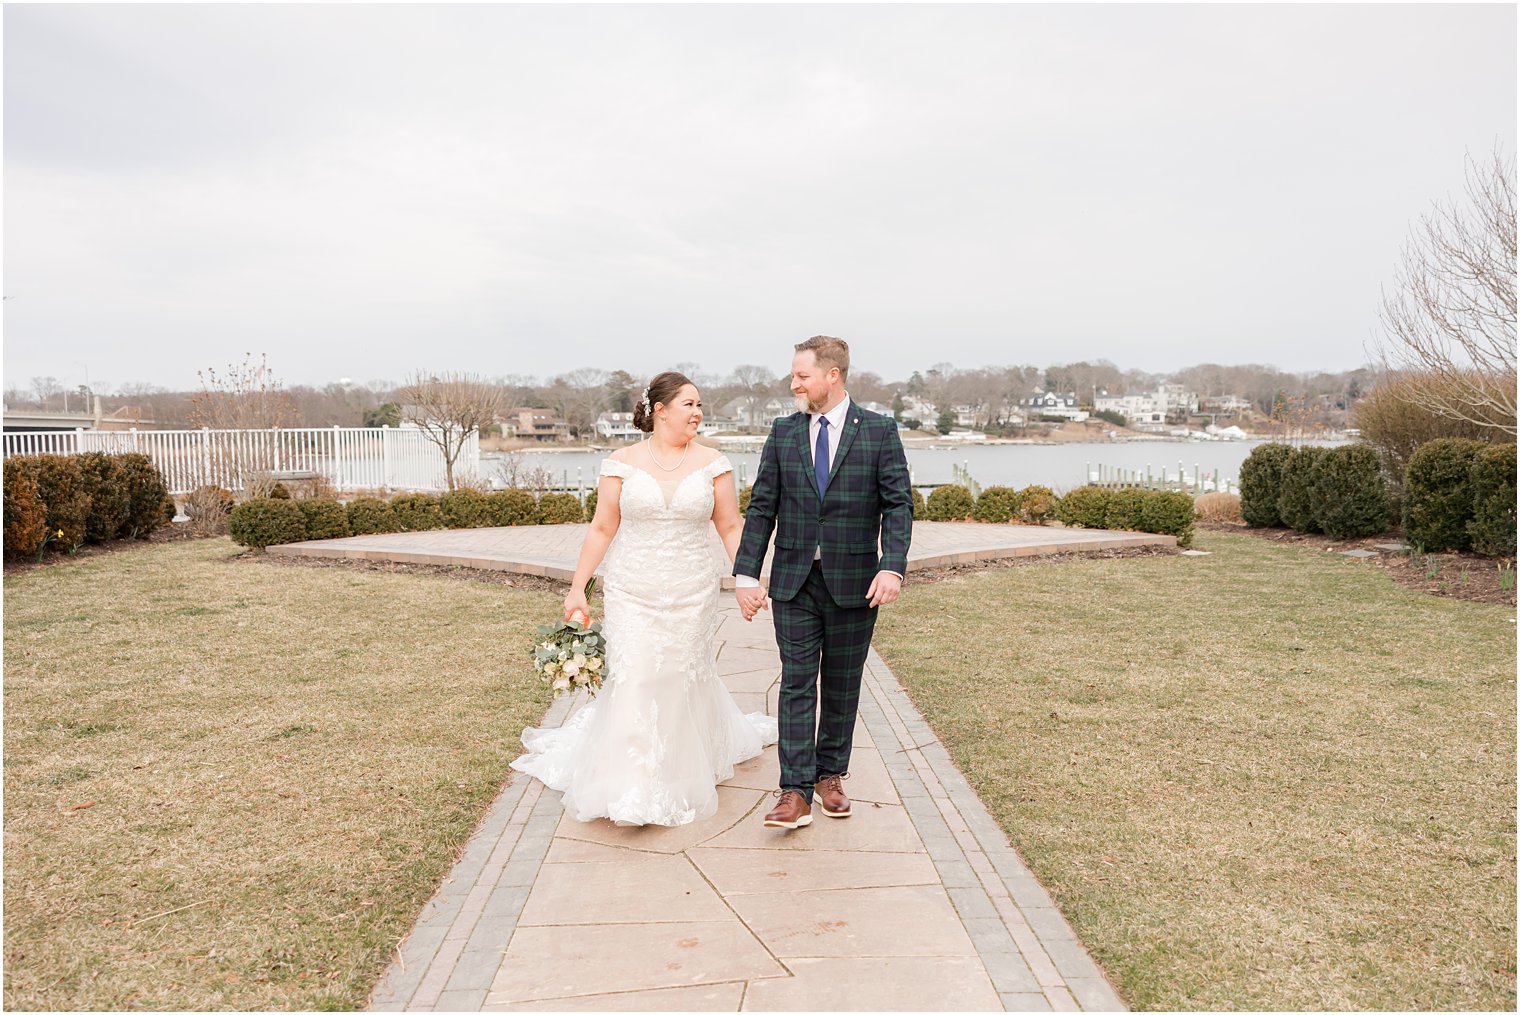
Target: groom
[833, 480]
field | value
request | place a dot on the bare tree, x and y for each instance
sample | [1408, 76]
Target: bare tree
[246, 397]
[579, 397]
[44, 388]
[447, 408]
[1453, 311]
[757, 384]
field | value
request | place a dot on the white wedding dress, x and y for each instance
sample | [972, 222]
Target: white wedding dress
[663, 731]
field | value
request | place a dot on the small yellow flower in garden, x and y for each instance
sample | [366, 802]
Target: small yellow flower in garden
[60, 533]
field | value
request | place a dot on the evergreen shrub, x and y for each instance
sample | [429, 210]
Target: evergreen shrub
[325, 518]
[513, 507]
[1349, 492]
[266, 521]
[1438, 493]
[998, 505]
[1492, 527]
[368, 515]
[417, 512]
[1086, 506]
[1260, 484]
[949, 504]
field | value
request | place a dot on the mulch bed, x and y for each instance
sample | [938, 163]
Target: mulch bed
[174, 532]
[1454, 575]
[489, 576]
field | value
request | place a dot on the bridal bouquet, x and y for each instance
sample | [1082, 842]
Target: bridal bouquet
[571, 655]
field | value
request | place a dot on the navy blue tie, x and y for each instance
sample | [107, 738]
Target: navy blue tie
[821, 456]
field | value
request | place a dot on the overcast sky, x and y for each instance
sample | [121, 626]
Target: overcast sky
[360, 191]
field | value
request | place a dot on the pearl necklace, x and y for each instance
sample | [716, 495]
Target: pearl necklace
[674, 467]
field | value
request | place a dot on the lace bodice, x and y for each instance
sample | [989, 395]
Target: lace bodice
[665, 535]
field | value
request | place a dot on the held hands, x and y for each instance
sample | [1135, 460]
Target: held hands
[751, 601]
[884, 589]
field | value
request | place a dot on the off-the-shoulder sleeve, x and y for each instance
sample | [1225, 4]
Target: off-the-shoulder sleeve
[613, 467]
[718, 466]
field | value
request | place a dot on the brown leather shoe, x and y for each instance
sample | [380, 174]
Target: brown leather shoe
[791, 812]
[830, 796]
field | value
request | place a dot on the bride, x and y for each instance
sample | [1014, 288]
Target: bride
[663, 731]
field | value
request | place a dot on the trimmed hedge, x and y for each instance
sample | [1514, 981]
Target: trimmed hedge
[1169, 513]
[1295, 497]
[1349, 492]
[465, 509]
[560, 508]
[1260, 484]
[996, 505]
[949, 504]
[1086, 506]
[1126, 509]
[266, 521]
[369, 515]
[26, 528]
[417, 512]
[64, 495]
[1037, 505]
[920, 508]
[590, 505]
[1492, 527]
[1438, 495]
[744, 496]
[110, 501]
[149, 503]
[325, 519]
[513, 507]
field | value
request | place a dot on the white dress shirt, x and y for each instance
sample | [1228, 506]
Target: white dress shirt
[836, 417]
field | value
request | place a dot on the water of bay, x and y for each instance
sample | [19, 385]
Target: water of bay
[1058, 466]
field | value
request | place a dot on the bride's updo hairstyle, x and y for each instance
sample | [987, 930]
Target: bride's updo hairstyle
[662, 389]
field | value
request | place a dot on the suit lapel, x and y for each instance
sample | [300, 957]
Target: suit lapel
[805, 446]
[851, 428]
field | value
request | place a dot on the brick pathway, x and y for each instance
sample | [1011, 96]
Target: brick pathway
[917, 902]
[551, 550]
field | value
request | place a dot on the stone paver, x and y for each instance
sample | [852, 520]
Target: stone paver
[552, 550]
[917, 902]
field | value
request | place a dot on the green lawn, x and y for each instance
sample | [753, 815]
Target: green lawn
[1263, 779]
[279, 766]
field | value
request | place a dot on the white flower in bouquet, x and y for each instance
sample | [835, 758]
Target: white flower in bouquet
[571, 655]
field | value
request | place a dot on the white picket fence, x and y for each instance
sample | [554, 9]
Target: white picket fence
[351, 458]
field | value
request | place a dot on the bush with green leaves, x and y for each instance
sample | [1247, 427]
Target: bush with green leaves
[998, 505]
[1295, 496]
[1492, 527]
[920, 508]
[1438, 494]
[1260, 484]
[110, 503]
[561, 508]
[1170, 513]
[149, 503]
[465, 509]
[325, 518]
[417, 512]
[266, 521]
[279, 491]
[513, 507]
[368, 515]
[1086, 506]
[591, 505]
[744, 496]
[26, 528]
[951, 503]
[1126, 509]
[65, 497]
[1037, 504]
[1349, 492]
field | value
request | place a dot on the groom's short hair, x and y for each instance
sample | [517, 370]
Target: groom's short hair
[829, 352]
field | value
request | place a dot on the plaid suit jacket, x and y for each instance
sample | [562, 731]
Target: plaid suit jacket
[868, 500]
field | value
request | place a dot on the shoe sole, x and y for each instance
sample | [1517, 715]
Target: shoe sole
[834, 814]
[806, 819]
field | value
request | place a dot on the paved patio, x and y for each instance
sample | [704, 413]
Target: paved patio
[551, 550]
[916, 902]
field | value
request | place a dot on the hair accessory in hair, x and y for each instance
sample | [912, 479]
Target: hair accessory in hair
[648, 409]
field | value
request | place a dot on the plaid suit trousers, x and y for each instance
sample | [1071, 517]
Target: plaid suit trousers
[823, 649]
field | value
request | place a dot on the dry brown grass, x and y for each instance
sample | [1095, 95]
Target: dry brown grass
[1219, 507]
[233, 787]
[1265, 779]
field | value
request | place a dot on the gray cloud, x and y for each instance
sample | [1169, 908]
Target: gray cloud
[358, 190]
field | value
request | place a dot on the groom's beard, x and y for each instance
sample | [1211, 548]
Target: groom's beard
[806, 404]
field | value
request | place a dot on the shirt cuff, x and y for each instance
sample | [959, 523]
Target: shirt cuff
[744, 581]
[885, 571]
